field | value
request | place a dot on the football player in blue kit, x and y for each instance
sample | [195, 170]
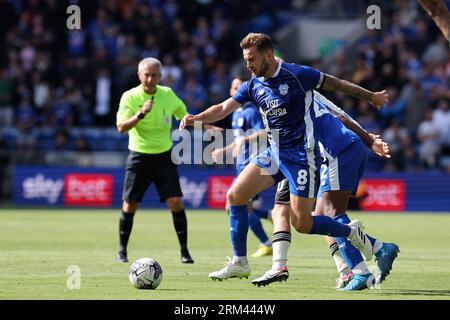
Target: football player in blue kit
[247, 128]
[345, 154]
[284, 94]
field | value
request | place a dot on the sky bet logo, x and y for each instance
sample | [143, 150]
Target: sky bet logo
[41, 187]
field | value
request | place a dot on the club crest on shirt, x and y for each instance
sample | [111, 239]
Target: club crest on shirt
[284, 88]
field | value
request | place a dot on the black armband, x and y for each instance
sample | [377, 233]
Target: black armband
[141, 115]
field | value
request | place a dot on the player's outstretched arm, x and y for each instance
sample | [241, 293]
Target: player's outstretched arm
[363, 134]
[438, 11]
[260, 134]
[217, 153]
[373, 142]
[212, 114]
[377, 99]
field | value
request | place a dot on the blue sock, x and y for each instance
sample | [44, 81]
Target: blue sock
[239, 229]
[262, 214]
[350, 254]
[328, 227]
[257, 228]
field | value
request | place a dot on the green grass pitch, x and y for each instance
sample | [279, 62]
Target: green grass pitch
[37, 246]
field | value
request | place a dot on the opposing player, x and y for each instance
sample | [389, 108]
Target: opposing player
[247, 128]
[345, 158]
[284, 94]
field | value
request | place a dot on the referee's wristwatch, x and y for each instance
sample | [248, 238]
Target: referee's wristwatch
[141, 115]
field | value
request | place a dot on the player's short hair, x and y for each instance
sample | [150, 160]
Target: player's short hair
[149, 61]
[261, 40]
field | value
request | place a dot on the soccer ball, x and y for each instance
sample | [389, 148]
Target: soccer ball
[145, 273]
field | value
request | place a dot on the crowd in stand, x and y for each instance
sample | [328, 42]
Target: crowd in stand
[411, 60]
[53, 79]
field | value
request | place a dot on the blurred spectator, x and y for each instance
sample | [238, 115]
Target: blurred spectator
[27, 56]
[194, 95]
[6, 99]
[169, 70]
[81, 145]
[394, 109]
[150, 47]
[416, 104]
[103, 112]
[367, 118]
[218, 84]
[25, 115]
[428, 135]
[26, 139]
[400, 145]
[60, 114]
[76, 42]
[41, 91]
[437, 52]
[62, 140]
[361, 71]
[441, 120]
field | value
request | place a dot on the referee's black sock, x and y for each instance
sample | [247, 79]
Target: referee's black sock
[125, 226]
[180, 224]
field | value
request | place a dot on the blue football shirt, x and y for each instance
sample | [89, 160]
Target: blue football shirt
[328, 129]
[283, 100]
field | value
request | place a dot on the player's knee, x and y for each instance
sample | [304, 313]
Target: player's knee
[234, 199]
[175, 204]
[301, 224]
[129, 207]
[281, 212]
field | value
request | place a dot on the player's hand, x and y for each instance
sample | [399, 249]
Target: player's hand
[147, 107]
[381, 148]
[379, 99]
[188, 120]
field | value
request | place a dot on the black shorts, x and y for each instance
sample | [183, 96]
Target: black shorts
[283, 195]
[143, 169]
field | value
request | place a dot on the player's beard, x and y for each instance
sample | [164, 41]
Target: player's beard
[263, 69]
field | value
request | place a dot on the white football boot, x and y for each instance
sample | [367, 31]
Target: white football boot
[359, 239]
[231, 269]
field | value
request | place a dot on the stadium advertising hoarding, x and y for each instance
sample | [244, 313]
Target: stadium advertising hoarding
[98, 187]
[217, 191]
[384, 195]
[88, 189]
[94, 187]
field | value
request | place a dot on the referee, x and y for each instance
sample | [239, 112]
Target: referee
[145, 112]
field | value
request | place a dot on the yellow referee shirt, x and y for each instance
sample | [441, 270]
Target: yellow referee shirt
[152, 134]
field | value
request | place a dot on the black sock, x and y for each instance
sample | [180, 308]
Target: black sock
[334, 248]
[125, 226]
[180, 224]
